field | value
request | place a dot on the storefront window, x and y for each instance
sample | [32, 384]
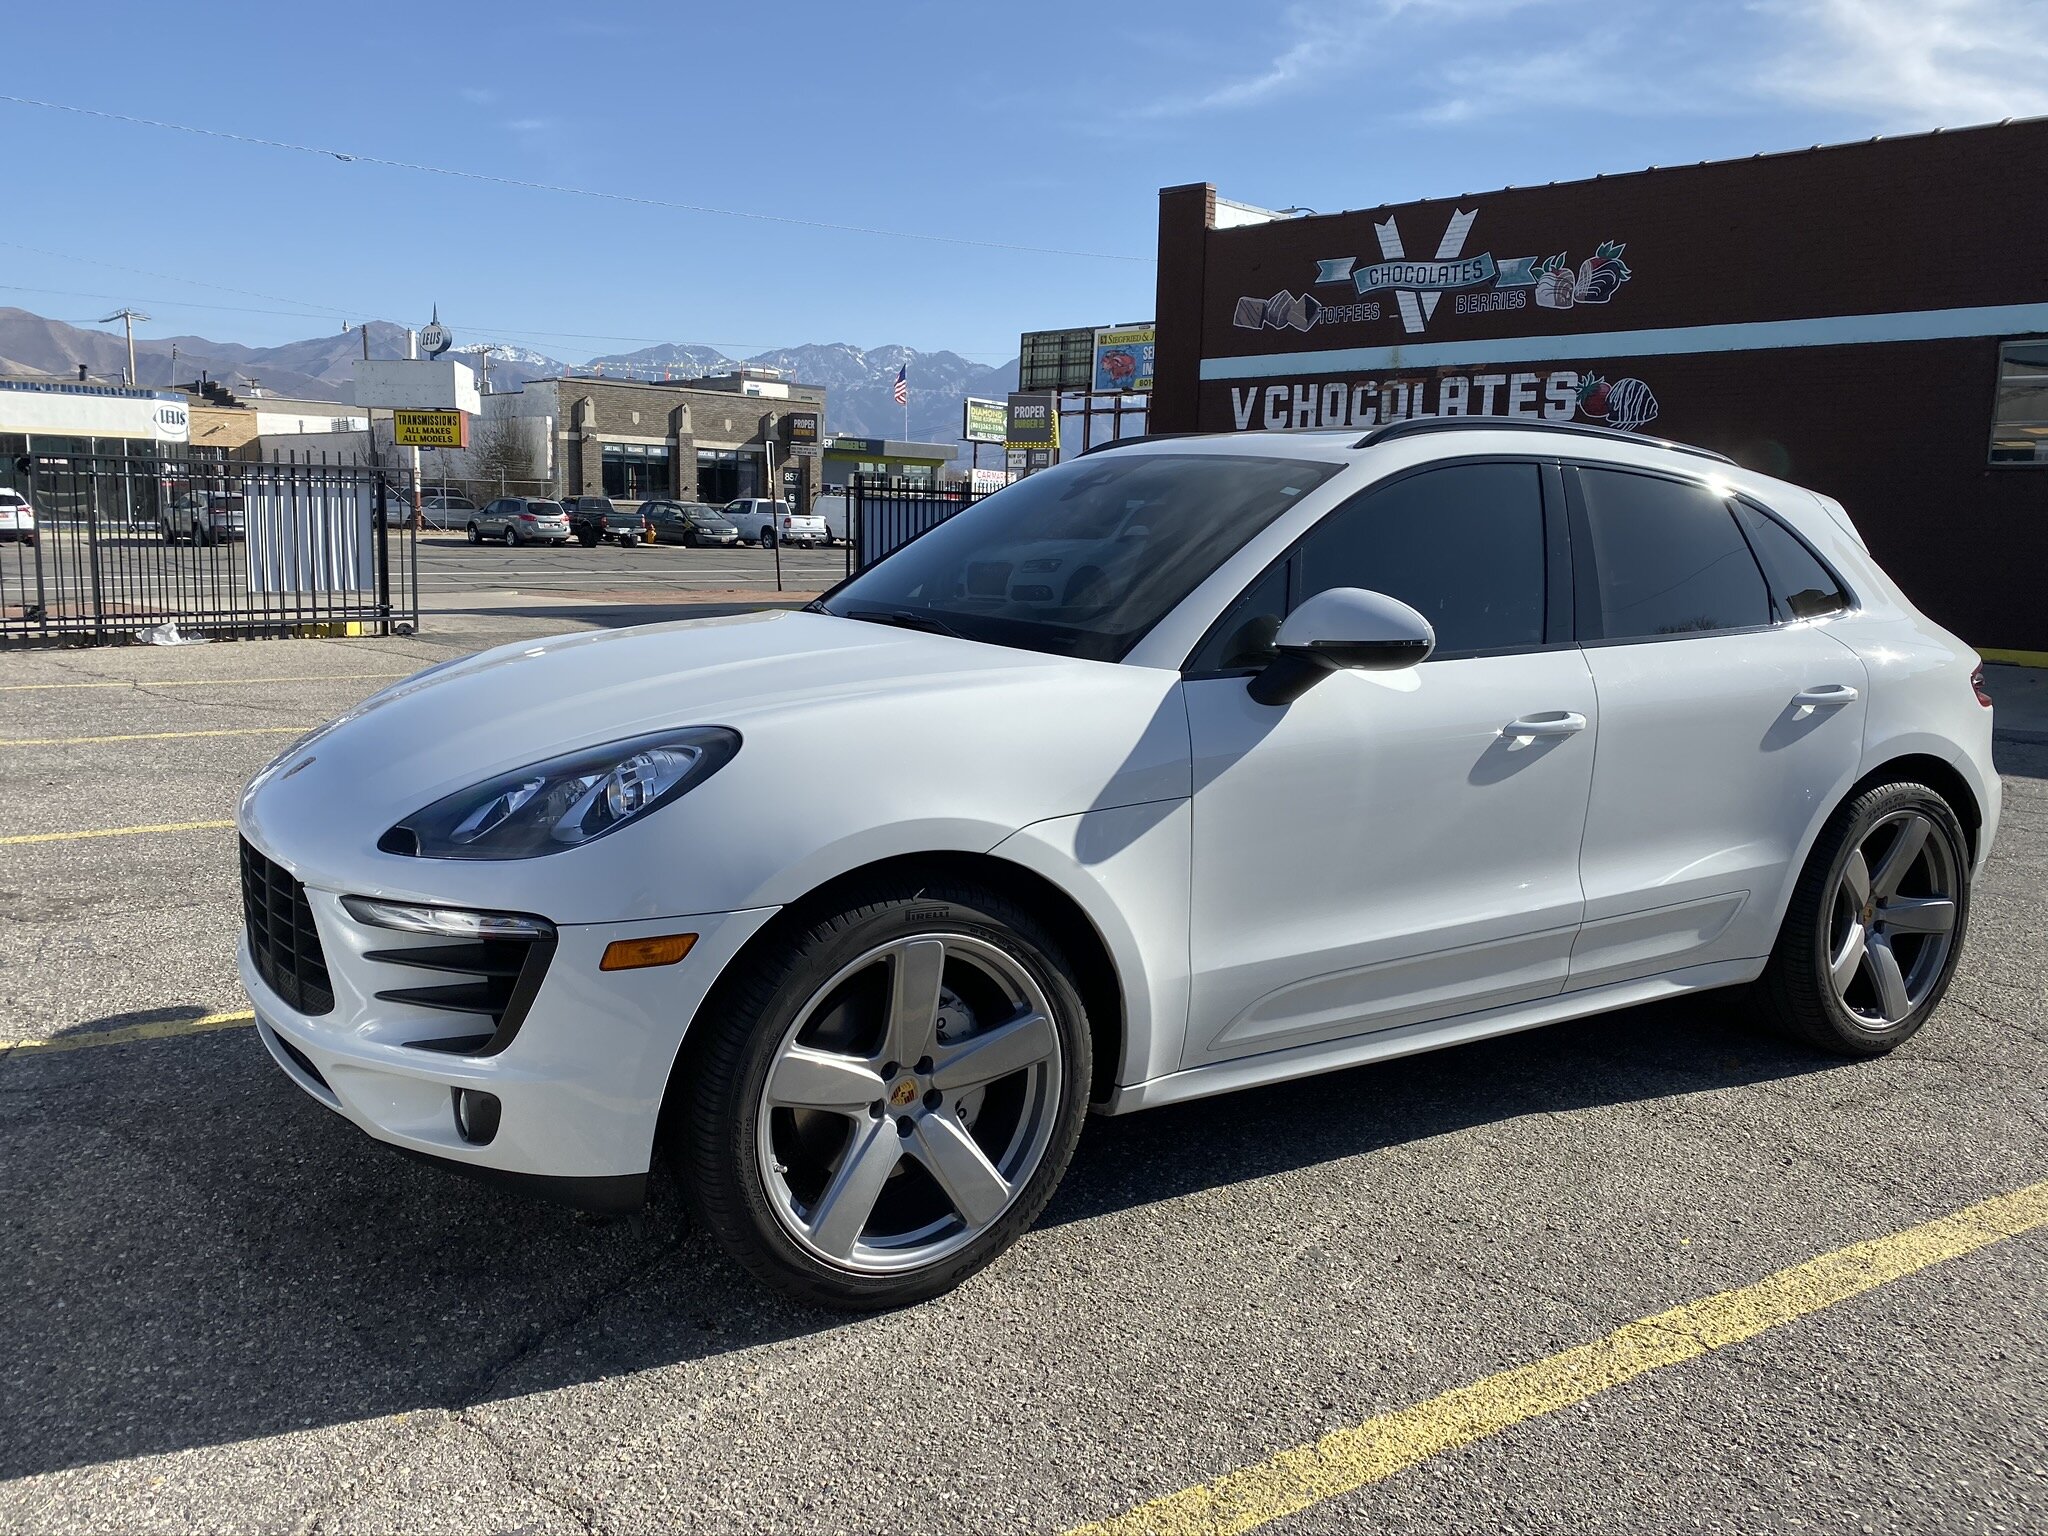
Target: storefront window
[2019, 421]
[635, 471]
[728, 474]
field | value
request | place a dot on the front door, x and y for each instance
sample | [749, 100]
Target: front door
[1398, 846]
[1728, 721]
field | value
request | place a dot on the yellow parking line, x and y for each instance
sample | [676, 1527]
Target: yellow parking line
[65, 837]
[161, 1030]
[206, 682]
[86, 741]
[1356, 1457]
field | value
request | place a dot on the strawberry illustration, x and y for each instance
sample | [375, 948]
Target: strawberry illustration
[1625, 403]
[1600, 274]
[1556, 288]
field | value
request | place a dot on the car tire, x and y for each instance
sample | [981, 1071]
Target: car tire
[512, 539]
[474, 536]
[1875, 925]
[767, 538]
[756, 1172]
[587, 540]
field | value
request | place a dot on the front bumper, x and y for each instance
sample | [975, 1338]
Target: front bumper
[580, 1084]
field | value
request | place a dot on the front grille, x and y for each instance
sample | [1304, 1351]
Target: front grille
[282, 939]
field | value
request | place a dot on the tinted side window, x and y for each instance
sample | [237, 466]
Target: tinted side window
[1462, 545]
[1804, 588]
[1667, 560]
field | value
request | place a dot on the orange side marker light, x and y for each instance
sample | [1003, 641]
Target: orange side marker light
[632, 954]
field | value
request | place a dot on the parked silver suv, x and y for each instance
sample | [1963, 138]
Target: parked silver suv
[205, 517]
[520, 520]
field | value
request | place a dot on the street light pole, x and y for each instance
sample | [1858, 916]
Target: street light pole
[127, 317]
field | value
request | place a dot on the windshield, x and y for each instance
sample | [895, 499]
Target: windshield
[1084, 558]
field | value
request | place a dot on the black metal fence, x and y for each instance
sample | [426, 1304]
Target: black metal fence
[888, 513]
[222, 549]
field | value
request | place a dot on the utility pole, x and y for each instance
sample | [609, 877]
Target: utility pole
[127, 317]
[412, 350]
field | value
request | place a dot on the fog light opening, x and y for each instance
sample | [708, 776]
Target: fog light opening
[476, 1116]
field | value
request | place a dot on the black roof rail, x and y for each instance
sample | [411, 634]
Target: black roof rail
[1415, 425]
[1142, 437]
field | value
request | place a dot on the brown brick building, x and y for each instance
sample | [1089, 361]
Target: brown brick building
[703, 440]
[1869, 319]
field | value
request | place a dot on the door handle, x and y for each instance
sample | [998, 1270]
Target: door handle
[1558, 722]
[1825, 695]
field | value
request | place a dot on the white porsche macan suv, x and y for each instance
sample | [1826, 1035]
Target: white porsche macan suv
[1174, 769]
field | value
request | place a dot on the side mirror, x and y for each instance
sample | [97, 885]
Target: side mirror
[1343, 628]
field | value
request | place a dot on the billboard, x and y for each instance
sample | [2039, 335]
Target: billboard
[982, 421]
[1056, 360]
[1123, 358]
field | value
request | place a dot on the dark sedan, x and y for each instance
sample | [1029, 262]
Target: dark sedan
[687, 522]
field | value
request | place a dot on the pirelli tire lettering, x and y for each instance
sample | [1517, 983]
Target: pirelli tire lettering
[1555, 395]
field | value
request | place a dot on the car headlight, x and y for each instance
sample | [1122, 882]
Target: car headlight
[566, 801]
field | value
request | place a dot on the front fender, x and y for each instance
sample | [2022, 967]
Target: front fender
[1128, 869]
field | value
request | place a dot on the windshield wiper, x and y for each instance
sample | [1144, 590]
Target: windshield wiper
[903, 619]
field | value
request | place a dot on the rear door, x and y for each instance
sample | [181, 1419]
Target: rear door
[1730, 720]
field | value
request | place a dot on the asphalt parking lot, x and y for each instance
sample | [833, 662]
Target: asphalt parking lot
[451, 567]
[221, 1308]
[452, 572]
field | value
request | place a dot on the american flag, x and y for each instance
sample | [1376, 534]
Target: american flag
[903, 385]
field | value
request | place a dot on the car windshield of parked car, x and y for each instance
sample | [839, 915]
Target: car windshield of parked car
[1084, 558]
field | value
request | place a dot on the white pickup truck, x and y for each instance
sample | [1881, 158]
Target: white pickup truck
[768, 523]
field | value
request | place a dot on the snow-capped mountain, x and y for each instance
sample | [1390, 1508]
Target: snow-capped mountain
[858, 382]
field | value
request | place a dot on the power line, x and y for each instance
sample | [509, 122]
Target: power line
[354, 157]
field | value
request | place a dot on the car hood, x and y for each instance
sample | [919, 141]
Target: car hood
[844, 725]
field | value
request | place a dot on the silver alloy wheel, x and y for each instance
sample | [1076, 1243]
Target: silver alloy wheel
[1892, 922]
[909, 1103]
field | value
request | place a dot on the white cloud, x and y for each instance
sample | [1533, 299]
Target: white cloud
[1322, 42]
[1884, 64]
[1912, 63]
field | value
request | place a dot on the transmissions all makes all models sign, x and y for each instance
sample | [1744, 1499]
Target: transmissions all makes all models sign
[430, 429]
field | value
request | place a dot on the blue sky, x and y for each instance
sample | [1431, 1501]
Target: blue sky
[1051, 125]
